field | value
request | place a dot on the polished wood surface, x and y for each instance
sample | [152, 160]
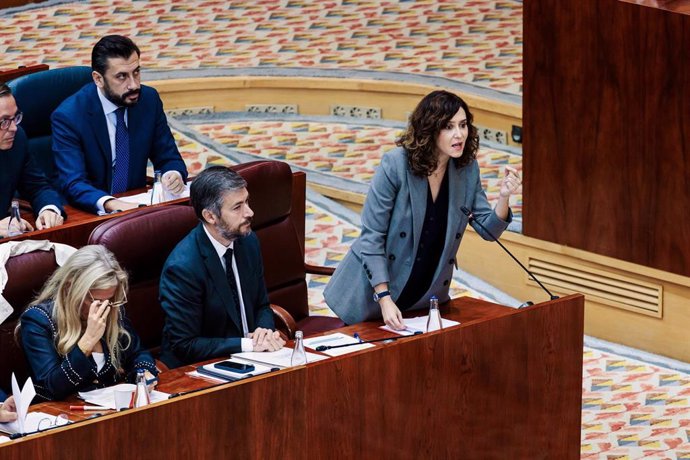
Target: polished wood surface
[11, 74]
[606, 135]
[78, 226]
[504, 382]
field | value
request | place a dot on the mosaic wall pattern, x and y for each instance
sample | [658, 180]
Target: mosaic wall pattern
[478, 42]
[633, 410]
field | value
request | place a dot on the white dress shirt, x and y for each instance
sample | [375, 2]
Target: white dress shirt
[247, 343]
[111, 122]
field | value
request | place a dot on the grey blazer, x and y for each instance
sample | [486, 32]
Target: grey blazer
[392, 221]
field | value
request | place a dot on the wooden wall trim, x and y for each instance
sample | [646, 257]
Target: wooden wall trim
[665, 334]
[315, 96]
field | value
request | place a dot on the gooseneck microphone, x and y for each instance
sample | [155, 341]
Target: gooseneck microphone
[526, 304]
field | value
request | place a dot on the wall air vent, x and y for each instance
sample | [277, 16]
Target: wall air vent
[599, 285]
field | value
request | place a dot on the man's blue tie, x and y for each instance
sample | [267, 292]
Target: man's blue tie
[121, 153]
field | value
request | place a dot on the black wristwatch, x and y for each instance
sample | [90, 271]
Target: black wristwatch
[380, 295]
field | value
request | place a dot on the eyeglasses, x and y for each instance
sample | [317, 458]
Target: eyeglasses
[6, 122]
[52, 422]
[112, 304]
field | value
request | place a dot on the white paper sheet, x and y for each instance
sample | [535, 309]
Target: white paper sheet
[32, 422]
[145, 198]
[280, 358]
[418, 324]
[22, 399]
[335, 339]
[105, 397]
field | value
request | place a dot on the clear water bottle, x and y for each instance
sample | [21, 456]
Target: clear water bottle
[299, 356]
[14, 225]
[141, 392]
[433, 323]
[157, 190]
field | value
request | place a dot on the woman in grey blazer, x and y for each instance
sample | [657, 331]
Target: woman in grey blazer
[412, 222]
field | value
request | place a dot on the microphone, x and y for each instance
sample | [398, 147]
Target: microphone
[387, 339]
[528, 303]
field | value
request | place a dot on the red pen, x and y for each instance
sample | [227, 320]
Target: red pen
[88, 408]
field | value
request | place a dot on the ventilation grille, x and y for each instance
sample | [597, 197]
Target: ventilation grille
[599, 285]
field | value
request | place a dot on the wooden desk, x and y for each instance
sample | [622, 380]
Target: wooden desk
[11, 74]
[79, 224]
[505, 384]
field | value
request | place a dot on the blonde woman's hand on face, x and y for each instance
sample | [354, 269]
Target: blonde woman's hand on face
[95, 325]
[511, 182]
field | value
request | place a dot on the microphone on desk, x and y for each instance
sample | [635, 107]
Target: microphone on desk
[387, 339]
[469, 214]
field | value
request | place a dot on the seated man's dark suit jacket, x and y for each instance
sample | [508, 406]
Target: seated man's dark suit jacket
[83, 157]
[202, 320]
[18, 171]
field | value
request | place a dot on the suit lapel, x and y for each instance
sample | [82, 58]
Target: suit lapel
[100, 131]
[215, 270]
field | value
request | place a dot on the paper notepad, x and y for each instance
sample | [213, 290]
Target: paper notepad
[417, 325]
[32, 422]
[105, 397]
[335, 339]
[280, 358]
[145, 198]
[22, 399]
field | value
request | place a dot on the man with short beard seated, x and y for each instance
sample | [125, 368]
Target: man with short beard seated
[212, 288]
[105, 133]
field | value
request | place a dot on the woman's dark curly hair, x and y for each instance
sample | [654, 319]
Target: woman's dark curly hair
[431, 115]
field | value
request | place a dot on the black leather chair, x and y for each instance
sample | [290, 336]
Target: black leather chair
[38, 95]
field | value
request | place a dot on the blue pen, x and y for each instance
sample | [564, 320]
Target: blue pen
[359, 339]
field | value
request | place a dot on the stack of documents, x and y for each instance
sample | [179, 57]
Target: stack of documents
[105, 397]
[418, 325]
[32, 422]
[280, 358]
[333, 340]
[28, 422]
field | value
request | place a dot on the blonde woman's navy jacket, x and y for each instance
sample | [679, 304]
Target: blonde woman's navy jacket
[56, 377]
[392, 221]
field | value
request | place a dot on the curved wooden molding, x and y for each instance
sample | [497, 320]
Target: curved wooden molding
[315, 96]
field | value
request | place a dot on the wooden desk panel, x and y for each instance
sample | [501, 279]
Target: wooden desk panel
[505, 382]
[78, 226]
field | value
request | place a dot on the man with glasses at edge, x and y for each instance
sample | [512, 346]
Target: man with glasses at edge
[19, 172]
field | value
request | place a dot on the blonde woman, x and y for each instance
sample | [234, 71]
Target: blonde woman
[75, 335]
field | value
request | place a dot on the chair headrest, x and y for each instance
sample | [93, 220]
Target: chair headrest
[39, 94]
[270, 190]
[142, 240]
[26, 274]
